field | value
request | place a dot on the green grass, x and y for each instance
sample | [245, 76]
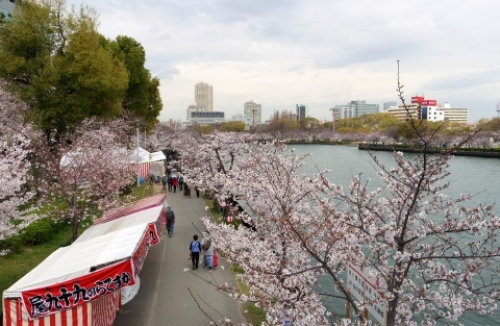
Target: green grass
[254, 315]
[15, 266]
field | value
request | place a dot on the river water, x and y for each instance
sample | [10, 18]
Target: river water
[471, 175]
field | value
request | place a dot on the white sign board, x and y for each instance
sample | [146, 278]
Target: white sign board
[367, 288]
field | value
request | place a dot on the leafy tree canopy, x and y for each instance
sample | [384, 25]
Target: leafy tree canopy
[309, 123]
[204, 129]
[236, 126]
[59, 64]
[142, 97]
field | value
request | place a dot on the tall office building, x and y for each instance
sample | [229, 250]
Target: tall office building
[356, 109]
[203, 97]
[253, 111]
[301, 111]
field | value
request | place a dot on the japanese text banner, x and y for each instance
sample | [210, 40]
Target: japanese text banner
[47, 300]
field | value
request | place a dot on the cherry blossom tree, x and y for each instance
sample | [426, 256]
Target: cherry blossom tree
[85, 175]
[13, 176]
[435, 258]
[13, 163]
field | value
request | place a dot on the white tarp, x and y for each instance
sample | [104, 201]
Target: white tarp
[142, 217]
[144, 156]
[100, 244]
[77, 259]
[140, 155]
[153, 163]
[158, 156]
[74, 158]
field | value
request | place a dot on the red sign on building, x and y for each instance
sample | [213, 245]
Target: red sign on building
[429, 102]
[417, 99]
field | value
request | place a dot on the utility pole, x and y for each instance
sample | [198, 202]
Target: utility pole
[334, 111]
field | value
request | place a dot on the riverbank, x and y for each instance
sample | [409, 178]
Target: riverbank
[472, 152]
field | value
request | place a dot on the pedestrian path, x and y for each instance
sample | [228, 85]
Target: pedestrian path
[171, 296]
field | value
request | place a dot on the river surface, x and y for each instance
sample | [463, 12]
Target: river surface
[469, 175]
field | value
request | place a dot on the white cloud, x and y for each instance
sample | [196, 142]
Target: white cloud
[316, 52]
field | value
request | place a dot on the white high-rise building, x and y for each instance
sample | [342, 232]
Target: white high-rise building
[6, 7]
[253, 111]
[356, 109]
[203, 97]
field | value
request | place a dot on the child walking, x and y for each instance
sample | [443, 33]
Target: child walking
[195, 248]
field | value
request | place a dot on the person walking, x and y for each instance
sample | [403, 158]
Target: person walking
[175, 182]
[208, 251]
[194, 249]
[170, 221]
[164, 180]
[197, 191]
[169, 182]
[181, 182]
[187, 190]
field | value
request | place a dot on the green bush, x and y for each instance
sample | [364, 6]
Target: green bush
[40, 231]
[13, 244]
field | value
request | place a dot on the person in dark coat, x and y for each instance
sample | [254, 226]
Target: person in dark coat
[181, 182]
[170, 221]
[169, 182]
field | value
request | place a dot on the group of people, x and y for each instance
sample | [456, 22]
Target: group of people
[206, 246]
[173, 182]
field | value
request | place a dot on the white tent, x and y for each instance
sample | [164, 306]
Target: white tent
[149, 163]
[78, 259]
[147, 216]
[158, 163]
[113, 252]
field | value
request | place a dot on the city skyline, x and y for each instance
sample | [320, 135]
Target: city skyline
[319, 53]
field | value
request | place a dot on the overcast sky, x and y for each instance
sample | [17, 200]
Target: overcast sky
[320, 53]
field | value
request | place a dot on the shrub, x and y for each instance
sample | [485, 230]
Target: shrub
[40, 231]
[12, 244]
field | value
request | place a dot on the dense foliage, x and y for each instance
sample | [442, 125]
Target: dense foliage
[435, 257]
[66, 72]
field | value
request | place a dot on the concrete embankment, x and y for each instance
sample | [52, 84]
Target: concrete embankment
[477, 152]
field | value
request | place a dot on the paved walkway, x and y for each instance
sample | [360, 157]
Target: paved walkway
[170, 296]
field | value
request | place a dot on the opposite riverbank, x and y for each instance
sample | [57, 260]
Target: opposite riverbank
[472, 152]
